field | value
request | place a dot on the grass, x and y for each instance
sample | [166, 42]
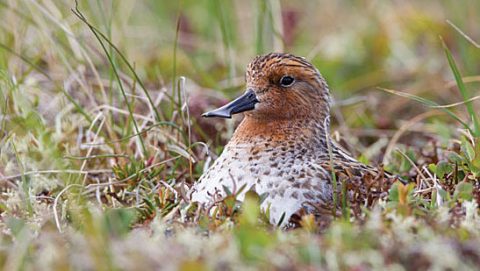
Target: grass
[101, 139]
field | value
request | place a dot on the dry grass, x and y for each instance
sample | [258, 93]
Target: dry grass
[100, 135]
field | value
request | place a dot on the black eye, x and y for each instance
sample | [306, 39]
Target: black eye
[286, 81]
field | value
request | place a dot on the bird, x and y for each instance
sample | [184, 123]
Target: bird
[282, 148]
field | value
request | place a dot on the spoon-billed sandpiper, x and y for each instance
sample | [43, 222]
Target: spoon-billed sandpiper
[282, 146]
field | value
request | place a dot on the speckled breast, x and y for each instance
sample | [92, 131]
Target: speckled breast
[291, 179]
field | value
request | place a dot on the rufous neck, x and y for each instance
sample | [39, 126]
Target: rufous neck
[305, 130]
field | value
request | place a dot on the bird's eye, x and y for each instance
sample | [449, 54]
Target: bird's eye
[287, 81]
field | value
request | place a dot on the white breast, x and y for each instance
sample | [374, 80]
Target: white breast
[289, 182]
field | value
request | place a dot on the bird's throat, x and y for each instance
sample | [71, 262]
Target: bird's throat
[252, 130]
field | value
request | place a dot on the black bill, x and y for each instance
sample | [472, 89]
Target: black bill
[241, 104]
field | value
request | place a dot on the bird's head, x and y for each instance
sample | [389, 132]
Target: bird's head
[279, 86]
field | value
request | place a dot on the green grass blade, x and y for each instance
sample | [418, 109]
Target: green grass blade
[26, 60]
[261, 17]
[99, 33]
[25, 184]
[117, 76]
[332, 171]
[427, 103]
[35, 67]
[223, 13]
[174, 65]
[463, 90]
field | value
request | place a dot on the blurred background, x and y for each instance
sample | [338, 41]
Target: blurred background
[101, 135]
[56, 72]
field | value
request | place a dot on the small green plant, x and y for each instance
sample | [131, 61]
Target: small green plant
[100, 134]
[251, 235]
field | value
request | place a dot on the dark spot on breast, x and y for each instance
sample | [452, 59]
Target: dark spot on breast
[306, 185]
[295, 195]
[319, 175]
[308, 195]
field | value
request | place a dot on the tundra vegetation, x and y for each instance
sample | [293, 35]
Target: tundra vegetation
[101, 136]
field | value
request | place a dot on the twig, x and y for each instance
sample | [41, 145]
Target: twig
[463, 34]
[55, 203]
[412, 163]
[56, 171]
[402, 130]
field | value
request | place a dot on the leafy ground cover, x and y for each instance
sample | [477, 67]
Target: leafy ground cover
[101, 139]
